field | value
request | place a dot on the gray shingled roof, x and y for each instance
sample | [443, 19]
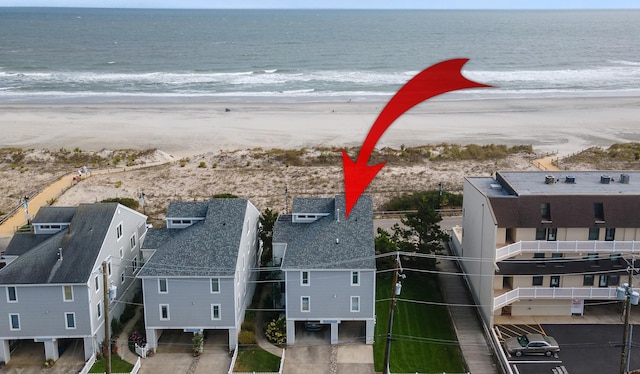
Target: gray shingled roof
[205, 249]
[314, 245]
[51, 214]
[80, 248]
[22, 242]
[187, 209]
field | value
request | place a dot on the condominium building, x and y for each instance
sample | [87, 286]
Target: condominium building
[535, 243]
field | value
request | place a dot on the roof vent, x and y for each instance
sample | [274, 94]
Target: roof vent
[337, 215]
[605, 179]
[624, 178]
[495, 186]
[59, 254]
[569, 179]
[337, 240]
[549, 179]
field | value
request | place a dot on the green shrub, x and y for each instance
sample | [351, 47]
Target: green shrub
[247, 326]
[116, 327]
[126, 201]
[276, 331]
[202, 164]
[246, 337]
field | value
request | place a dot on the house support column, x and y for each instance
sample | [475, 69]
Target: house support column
[334, 333]
[51, 350]
[5, 352]
[152, 339]
[89, 347]
[291, 332]
[233, 339]
[371, 324]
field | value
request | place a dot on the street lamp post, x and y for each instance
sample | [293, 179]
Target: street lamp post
[625, 293]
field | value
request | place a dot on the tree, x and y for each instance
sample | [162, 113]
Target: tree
[268, 219]
[422, 233]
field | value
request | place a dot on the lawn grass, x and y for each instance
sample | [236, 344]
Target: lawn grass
[117, 365]
[424, 340]
[256, 359]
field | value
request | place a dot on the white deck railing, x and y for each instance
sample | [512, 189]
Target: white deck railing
[576, 246]
[600, 293]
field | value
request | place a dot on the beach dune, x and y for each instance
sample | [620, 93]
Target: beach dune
[550, 125]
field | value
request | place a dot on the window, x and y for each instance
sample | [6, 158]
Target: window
[14, 322]
[109, 268]
[120, 252]
[67, 293]
[134, 263]
[132, 240]
[99, 308]
[555, 281]
[541, 234]
[552, 234]
[615, 256]
[215, 311]
[609, 234]
[355, 303]
[119, 231]
[545, 211]
[592, 257]
[604, 281]
[355, 278]
[538, 255]
[305, 304]
[164, 312]
[304, 278]
[70, 320]
[614, 280]
[556, 255]
[96, 280]
[215, 285]
[537, 280]
[163, 287]
[598, 210]
[594, 233]
[122, 277]
[12, 295]
[588, 280]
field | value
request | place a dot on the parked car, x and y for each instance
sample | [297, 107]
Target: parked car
[532, 344]
[313, 326]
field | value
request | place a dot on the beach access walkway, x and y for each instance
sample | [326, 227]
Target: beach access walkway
[546, 163]
[475, 348]
[51, 193]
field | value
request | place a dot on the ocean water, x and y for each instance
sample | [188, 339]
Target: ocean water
[116, 55]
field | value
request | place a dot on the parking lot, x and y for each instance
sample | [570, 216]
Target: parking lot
[583, 349]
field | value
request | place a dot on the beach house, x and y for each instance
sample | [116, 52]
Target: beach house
[542, 244]
[53, 284]
[201, 268]
[328, 263]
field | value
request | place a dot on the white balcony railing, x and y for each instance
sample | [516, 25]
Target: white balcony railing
[600, 293]
[577, 246]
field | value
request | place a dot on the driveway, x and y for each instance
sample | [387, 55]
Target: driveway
[312, 353]
[175, 354]
[28, 358]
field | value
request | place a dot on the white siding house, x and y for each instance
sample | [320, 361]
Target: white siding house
[54, 283]
[200, 270]
[328, 263]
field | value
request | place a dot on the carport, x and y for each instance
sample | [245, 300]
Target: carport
[28, 355]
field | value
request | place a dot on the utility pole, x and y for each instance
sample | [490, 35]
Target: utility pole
[626, 293]
[107, 340]
[395, 291]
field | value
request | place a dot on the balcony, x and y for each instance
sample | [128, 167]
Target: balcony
[577, 246]
[599, 293]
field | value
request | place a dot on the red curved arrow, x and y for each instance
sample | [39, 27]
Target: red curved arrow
[440, 78]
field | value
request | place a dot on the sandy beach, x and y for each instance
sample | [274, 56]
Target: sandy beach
[550, 125]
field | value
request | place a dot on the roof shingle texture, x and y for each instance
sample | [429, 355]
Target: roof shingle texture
[208, 248]
[328, 243]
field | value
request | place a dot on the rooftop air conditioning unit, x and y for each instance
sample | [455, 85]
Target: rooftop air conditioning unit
[624, 178]
[605, 179]
[549, 179]
[569, 179]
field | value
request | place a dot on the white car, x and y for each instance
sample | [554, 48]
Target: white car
[532, 344]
